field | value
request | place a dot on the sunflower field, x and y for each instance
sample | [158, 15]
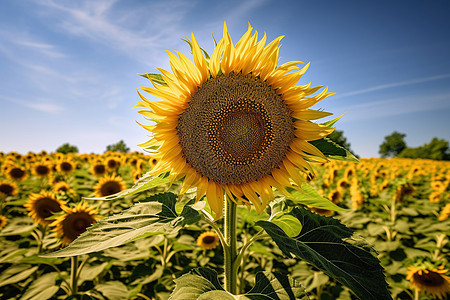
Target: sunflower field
[401, 206]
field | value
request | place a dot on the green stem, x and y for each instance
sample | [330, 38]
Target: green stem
[41, 238]
[73, 274]
[230, 252]
[416, 294]
[208, 219]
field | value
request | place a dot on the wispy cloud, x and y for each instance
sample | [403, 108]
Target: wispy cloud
[396, 106]
[393, 85]
[120, 28]
[42, 105]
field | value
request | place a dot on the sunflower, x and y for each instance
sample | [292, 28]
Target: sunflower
[7, 188]
[42, 169]
[112, 163]
[98, 168]
[74, 222]
[432, 281]
[445, 212]
[208, 240]
[65, 166]
[435, 197]
[236, 124]
[43, 205]
[3, 221]
[62, 187]
[16, 173]
[109, 185]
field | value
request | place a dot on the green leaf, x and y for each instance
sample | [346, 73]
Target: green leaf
[157, 78]
[146, 182]
[113, 290]
[19, 226]
[332, 150]
[154, 215]
[312, 198]
[203, 284]
[16, 273]
[331, 247]
[289, 224]
[42, 288]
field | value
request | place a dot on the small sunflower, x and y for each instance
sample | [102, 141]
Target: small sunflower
[98, 168]
[112, 163]
[432, 281]
[7, 188]
[43, 205]
[42, 169]
[445, 212]
[3, 221]
[74, 222]
[237, 124]
[435, 197]
[208, 240]
[16, 173]
[109, 185]
[62, 187]
[334, 196]
[65, 166]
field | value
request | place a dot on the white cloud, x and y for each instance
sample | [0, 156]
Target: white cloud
[43, 105]
[396, 106]
[392, 85]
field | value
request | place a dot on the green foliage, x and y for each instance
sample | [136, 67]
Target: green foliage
[333, 151]
[67, 148]
[118, 147]
[437, 149]
[338, 137]
[331, 247]
[268, 286]
[393, 144]
[309, 196]
[152, 216]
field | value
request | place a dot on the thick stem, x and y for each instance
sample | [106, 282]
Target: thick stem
[230, 253]
[73, 274]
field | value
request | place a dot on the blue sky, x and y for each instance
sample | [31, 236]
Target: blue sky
[68, 69]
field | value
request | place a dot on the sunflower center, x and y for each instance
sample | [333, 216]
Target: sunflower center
[209, 239]
[66, 167]
[110, 188]
[99, 169]
[17, 173]
[430, 279]
[236, 129]
[7, 189]
[42, 170]
[45, 207]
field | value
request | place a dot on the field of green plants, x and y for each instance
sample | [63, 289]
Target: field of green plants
[400, 206]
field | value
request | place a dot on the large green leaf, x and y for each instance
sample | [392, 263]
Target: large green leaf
[331, 247]
[311, 197]
[154, 215]
[42, 288]
[146, 182]
[203, 284]
[332, 150]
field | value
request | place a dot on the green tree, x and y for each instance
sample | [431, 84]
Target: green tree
[393, 144]
[437, 149]
[67, 148]
[118, 147]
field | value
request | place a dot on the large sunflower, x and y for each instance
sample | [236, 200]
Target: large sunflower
[74, 222]
[235, 123]
[43, 205]
[432, 281]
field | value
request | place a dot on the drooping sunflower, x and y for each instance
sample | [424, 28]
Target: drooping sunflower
[235, 123]
[432, 281]
[208, 240]
[109, 185]
[43, 205]
[7, 188]
[445, 212]
[62, 187]
[16, 173]
[74, 222]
